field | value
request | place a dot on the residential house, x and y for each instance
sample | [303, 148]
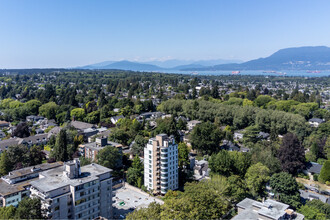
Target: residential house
[267, 210]
[4, 124]
[80, 126]
[39, 131]
[34, 140]
[54, 131]
[46, 123]
[115, 119]
[201, 170]
[85, 129]
[192, 124]
[312, 168]
[315, 122]
[263, 136]
[149, 116]
[229, 146]
[29, 141]
[308, 196]
[34, 118]
[7, 143]
[238, 135]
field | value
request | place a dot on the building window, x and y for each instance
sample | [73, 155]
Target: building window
[150, 152]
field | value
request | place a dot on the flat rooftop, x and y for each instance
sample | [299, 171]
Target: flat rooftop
[55, 178]
[269, 208]
[32, 169]
[7, 189]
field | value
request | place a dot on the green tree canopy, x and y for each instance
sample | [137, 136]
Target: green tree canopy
[262, 100]
[49, 110]
[60, 151]
[286, 188]
[183, 153]
[256, 178]
[228, 163]
[29, 209]
[139, 144]
[109, 157]
[33, 106]
[325, 172]
[315, 209]
[5, 166]
[78, 114]
[206, 138]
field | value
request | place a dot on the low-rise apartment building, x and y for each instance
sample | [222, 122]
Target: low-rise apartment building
[16, 185]
[90, 150]
[74, 192]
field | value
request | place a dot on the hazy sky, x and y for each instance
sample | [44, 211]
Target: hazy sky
[68, 33]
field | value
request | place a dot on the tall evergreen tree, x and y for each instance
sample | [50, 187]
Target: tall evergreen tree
[4, 164]
[60, 152]
[215, 92]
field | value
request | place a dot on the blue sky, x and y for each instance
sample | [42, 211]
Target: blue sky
[69, 33]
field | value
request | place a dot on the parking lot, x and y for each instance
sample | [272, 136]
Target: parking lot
[127, 199]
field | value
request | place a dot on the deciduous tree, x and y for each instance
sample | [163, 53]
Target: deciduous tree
[206, 138]
[256, 178]
[109, 157]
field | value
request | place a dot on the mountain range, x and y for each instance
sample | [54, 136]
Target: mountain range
[157, 65]
[298, 58]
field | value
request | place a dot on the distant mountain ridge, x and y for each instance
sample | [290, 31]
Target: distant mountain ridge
[155, 65]
[297, 58]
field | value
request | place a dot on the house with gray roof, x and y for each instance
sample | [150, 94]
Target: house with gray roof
[79, 125]
[308, 196]
[249, 209]
[9, 142]
[35, 140]
[54, 131]
[315, 122]
[228, 145]
[312, 168]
